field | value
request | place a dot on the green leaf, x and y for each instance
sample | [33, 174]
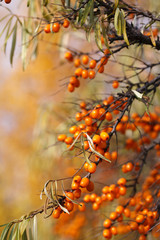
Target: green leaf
[116, 15]
[5, 232]
[45, 2]
[13, 43]
[8, 34]
[116, 4]
[10, 237]
[23, 225]
[98, 36]
[105, 36]
[86, 11]
[124, 28]
[25, 39]
[24, 236]
[4, 17]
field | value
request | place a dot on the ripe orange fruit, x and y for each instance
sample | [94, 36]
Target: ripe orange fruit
[92, 64]
[77, 62]
[55, 27]
[66, 23]
[108, 116]
[107, 233]
[56, 213]
[84, 182]
[84, 74]
[61, 137]
[69, 56]
[82, 207]
[85, 59]
[107, 223]
[91, 74]
[7, 1]
[115, 84]
[92, 168]
[47, 28]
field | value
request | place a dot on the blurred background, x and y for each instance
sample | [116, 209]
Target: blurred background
[31, 116]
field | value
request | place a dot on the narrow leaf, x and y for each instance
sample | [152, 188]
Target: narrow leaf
[116, 19]
[86, 11]
[138, 94]
[5, 232]
[98, 36]
[13, 43]
[152, 38]
[63, 208]
[24, 236]
[35, 228]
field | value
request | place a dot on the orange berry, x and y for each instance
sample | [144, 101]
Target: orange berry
[69, 140]
[84, 182]
[104, 60]
[91, 74]
[93, 197]
[92, 64]
[69, 195]
[119, 209]
[70, 87]
[114, 156]
[133, 226]
[96, 139]
[104, 136]
[82, 207]
[77, 62]
[110, 196]
[115, 84]
[66, 23]
[56, 213]
[55, 27]
[73, 80]
[86, 198]
[47, 28]
[107, 233]
[69, 56]
[140, 218]
[107, 223]
[75, 185]
[121, 181]
[73, 129]
[100, 68]
[94, 114]
[85, 74]
[90, 186]
[77, 179]
[69, 206]
[77, 193]
[95, 206]
[88, 121]
[92, 167]
[108, 116]
[105, 189]
[85, 59]
[127, 212]
[78, 72]
[129, 166]
[86, 145]
[142, 237]
[61, 137]
[122, 190]
[113, 216]
[78, 116]
[114, 230]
